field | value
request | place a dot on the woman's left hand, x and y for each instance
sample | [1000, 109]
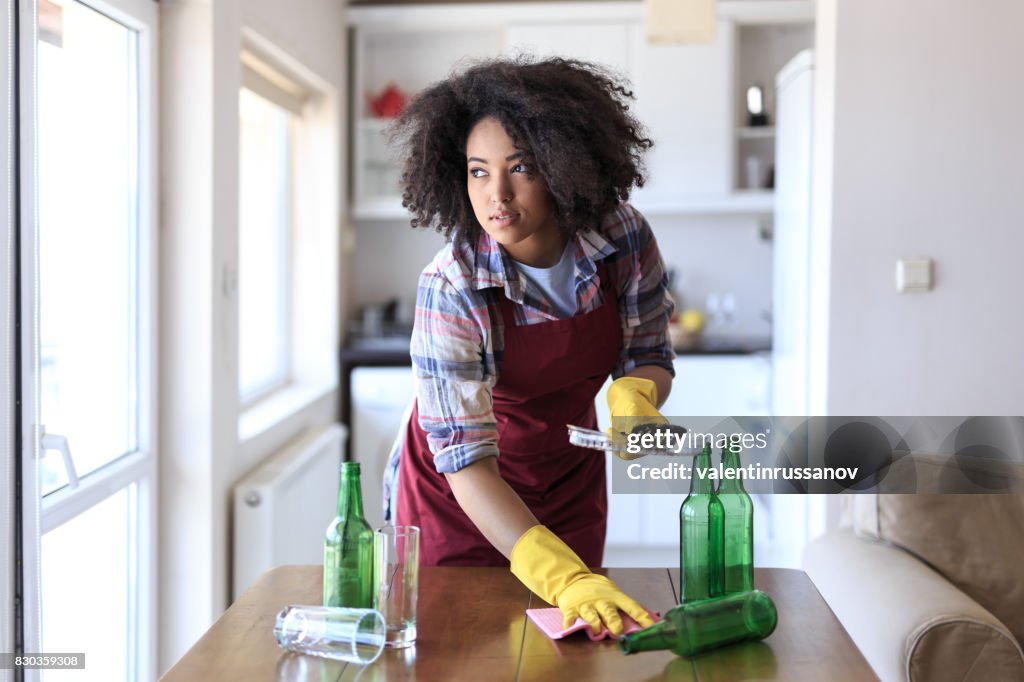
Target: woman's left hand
[632, 402]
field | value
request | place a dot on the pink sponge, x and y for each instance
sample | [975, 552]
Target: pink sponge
[550, 623]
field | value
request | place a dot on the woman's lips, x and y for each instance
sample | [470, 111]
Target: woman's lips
[504, 219]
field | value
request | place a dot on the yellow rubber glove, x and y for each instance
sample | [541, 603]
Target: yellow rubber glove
[632, 401]
[553, 571]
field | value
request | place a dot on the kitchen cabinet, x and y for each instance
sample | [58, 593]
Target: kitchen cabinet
[688, 96]
[409, 58]
[684, 98]
[380, 396]
[762, 50]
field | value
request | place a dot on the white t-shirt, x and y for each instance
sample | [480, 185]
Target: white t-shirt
[557, 282]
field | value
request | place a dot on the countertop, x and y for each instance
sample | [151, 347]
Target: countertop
[472, 625]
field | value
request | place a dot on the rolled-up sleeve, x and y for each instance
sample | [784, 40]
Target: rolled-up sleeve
[453, 382]
[645, 304]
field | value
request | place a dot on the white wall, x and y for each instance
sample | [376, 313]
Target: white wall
[391, 257]
[715, 253]
[201, 453]
[928, 152]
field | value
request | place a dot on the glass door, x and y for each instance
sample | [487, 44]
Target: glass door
[88, 347]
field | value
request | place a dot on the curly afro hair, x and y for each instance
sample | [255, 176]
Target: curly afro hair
[570, 118]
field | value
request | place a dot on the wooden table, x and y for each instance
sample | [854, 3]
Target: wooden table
[472, 625]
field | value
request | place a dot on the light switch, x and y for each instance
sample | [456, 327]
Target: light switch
[348, 239]
[913, 274]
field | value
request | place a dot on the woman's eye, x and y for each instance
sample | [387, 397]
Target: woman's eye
[521, 168]
[477, 172]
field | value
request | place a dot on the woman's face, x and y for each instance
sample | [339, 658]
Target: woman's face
[512, 207]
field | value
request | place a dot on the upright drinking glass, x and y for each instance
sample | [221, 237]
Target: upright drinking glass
[396, 569]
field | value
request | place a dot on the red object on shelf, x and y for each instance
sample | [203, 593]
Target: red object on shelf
[389, 103]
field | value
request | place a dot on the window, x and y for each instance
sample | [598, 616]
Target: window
[88, 319]
[264, 245]
[270, 108]
[88, 241]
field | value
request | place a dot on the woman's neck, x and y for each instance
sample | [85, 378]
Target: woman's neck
[539, 251]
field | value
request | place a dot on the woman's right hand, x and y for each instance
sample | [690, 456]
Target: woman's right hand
[597, 599]
[552, 570]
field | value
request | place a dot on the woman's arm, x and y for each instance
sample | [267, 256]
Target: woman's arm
[491, 504]
[545, 564]
[645, 305]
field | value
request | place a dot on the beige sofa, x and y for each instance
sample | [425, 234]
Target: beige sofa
[930, 587]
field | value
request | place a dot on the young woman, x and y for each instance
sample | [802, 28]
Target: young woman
[548, 284]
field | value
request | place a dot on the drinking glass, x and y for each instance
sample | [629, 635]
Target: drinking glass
[344, 634]
[396, 565]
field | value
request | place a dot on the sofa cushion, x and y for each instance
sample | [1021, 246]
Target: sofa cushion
[962, 651]
[975, 541]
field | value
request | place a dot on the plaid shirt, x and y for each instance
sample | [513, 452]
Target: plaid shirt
[458, 337]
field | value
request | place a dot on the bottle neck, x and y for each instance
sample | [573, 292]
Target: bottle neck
[698, 485]
[731, 461]
[350, 493]
[658, 636]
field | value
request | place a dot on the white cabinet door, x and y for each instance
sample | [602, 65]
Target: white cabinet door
[727, 386]
[604, 43]
[380, 396]
[720, 385]
[685, 98]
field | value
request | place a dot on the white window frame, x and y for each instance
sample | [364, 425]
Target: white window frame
[40, 515]
[8, 447]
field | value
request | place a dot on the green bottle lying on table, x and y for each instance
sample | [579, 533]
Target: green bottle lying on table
[694, 627]
[348, 547]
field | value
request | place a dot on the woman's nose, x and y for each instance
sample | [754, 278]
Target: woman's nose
[501, 190]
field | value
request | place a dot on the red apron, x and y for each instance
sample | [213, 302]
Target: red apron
[549, 377]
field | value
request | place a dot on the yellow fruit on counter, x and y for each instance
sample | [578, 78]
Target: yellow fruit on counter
[691, 320]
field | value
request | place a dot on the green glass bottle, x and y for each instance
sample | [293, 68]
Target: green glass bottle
[689, 629]
[738, 508]
[348, 547]
[700, 536]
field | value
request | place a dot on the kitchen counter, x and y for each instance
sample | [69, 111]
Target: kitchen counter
[472, 625]
[396, 348]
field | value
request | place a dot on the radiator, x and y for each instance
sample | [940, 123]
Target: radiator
[284, 505]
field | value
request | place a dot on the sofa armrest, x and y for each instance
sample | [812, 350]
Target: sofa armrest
[910, 623]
